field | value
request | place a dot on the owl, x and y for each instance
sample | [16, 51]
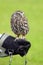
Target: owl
[19, 23]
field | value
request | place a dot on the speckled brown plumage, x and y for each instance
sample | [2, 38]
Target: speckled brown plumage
[19, 23]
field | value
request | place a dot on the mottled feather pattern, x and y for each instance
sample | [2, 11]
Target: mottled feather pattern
[19, 23]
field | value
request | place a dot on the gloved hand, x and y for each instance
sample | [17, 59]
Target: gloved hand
[16, 46]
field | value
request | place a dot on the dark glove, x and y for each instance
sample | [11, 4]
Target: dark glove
[18, 46]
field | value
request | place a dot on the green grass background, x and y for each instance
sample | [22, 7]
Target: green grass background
[34, 11]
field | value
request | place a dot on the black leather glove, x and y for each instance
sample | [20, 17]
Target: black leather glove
[11, 44]
[16, 46]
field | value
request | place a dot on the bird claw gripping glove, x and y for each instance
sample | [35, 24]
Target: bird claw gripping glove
[16, 46]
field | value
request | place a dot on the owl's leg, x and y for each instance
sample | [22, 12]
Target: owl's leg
[17, 36]
[22, 37]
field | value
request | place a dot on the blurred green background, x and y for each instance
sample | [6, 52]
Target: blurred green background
[34, 11]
